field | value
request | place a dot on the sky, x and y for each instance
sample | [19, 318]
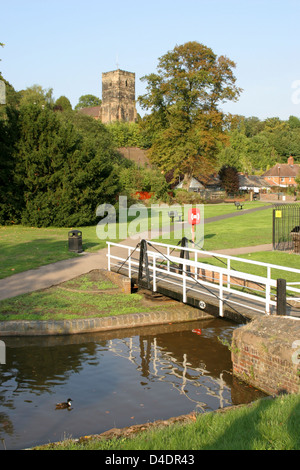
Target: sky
[66, 45]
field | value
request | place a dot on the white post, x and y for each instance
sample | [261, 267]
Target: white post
[184, 283]
[129, 263]
[196, 268]
[154, 272]
[228, 275]
[268, 290]
[221, 313]
[108, 256]
[168, 256]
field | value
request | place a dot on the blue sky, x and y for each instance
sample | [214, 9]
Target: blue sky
[67, 44]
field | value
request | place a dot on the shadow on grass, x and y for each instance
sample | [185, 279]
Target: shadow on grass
[256, 430]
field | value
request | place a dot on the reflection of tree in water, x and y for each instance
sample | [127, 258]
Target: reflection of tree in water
[6, 427]
[37, 368]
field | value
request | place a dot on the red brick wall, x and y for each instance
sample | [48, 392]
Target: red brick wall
[263, 354]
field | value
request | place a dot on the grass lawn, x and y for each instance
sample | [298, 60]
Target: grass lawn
[65, 305]
[213, 210]
[267, 424]
[91, 295]
[278, 258]
[24, 248]
[246, 230]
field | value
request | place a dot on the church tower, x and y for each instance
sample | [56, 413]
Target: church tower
[118, 97]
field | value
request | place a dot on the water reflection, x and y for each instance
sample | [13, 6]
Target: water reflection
[114, 380]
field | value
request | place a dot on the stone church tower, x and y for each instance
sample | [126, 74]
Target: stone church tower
[118, 97]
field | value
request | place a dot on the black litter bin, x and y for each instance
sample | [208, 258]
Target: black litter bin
[75, 241]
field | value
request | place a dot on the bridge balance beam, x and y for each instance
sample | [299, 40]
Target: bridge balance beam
[199, 300]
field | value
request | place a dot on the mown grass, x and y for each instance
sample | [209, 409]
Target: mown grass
[289, 260]
[268, 424]
[249, 229]
[24, 248]
[59, 304]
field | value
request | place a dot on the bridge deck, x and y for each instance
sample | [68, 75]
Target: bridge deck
[204, 298]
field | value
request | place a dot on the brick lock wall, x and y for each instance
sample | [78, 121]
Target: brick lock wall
[263, 354]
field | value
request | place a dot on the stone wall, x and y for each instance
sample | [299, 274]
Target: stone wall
[265, 354]
[273, 197]
[179, 313]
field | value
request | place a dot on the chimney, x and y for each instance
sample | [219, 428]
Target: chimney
[291, 160]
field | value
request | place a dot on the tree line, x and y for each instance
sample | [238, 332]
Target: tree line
[58, 165]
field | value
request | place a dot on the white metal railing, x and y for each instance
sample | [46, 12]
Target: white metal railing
[224, 283]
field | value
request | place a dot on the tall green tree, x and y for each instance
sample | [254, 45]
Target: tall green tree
[11, 192]
[87, 101]
[62, 104]
[37, 95]
[229, 179]
[66, 174]
[125, 134]
[185, 124]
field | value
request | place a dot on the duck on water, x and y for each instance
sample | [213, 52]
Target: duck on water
[64, 405]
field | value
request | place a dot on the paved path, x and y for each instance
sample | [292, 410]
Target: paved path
[53, 274]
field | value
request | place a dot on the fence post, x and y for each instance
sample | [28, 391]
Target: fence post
[221, 311]
[144, 261]
[281, 297]
[154, 272]
[184, 254]
[2, 353]
[108, 256]
[268, 290]
[129, 263]
[228, 274]
[184, 285]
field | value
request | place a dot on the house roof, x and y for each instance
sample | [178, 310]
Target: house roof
[194, 183]
[252, 182]
[283, 170]
[93, 111]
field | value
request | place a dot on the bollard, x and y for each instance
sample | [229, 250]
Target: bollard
[281, 297]
[2, 353]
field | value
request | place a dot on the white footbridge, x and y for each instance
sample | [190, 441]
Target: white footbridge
[222, 285]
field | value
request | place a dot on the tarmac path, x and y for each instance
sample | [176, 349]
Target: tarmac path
[61, 271]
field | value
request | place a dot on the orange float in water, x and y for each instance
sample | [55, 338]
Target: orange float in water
[197, 331]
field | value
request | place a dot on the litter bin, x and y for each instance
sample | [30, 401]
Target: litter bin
[295, 233]
[75, 241]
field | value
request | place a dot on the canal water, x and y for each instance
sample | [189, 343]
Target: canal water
[115, 379]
